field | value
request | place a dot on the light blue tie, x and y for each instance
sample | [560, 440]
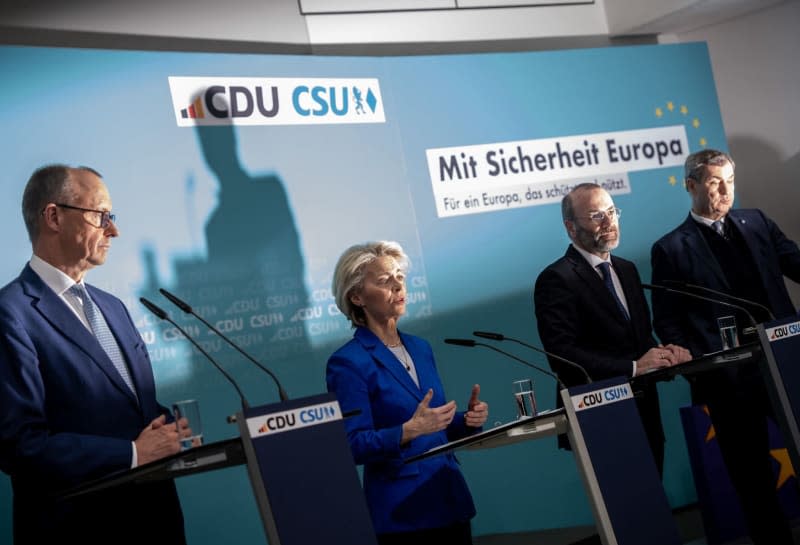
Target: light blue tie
[719, 228]
[605, 269]
[102, 333]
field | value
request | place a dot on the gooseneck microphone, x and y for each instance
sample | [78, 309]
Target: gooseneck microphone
[501, 337]
[746, 331]
[684, 285]
[159, 312]
[188, 310]
[471, 343]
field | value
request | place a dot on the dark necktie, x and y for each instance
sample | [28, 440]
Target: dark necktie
[102, 333]
[719, 227]
[605, 270]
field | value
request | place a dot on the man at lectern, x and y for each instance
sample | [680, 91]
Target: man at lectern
[77, 395]
[391, 377]
[742, 253]
[591, 309]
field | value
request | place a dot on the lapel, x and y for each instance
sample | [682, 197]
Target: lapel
[594, 284]
[753, 240]
[387, 360]
[55, 312]
[700, 253]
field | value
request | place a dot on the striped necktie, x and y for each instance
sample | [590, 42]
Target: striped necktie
[102, 333]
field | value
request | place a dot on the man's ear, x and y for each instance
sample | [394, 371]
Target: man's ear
[51, 218]
[570, 225]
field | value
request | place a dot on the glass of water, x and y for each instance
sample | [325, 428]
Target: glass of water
[727, 331]
[190, 410]
[524, 398]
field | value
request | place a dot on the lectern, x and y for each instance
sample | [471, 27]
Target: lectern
[300, 465]
[611, 450]
[780, 341]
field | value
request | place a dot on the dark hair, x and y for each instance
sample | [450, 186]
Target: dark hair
[567, 206]
[696, 163]
[47, 184]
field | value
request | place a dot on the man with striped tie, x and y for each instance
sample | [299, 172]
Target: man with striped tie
[77, 394]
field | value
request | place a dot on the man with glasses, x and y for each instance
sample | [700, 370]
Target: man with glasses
[591, 309]
[77, 394]
[744, 254]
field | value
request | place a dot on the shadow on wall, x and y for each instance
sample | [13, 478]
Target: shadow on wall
[250, 285]
[767, 182]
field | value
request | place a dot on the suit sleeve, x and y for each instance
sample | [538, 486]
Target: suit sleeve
[558, 308]
[348, 382]
[786, 249]
[670, 315]
[29, 448]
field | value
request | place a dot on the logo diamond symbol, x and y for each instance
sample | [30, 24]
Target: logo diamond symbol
[371, 100]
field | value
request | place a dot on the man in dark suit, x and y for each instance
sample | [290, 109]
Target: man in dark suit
[77, 395]
[742, 253]
[591, 309]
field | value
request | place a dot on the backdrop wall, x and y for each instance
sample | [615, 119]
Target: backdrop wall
[239, 182]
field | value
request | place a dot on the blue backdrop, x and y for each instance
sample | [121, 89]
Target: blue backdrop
[245, 220]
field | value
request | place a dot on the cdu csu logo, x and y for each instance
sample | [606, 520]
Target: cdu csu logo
[311, 415]
[600, 397]
[275, 101]
[783, 331]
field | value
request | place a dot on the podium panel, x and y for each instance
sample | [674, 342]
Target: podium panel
[617, 466]
[300, 466]
[780, 341]
[303, 474]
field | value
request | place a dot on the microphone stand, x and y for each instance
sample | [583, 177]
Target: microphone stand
[471, 343]
[188, 309]
[159, 312]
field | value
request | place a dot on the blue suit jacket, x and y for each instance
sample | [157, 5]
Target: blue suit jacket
[683, 255]
[66, 415]
[430, 493]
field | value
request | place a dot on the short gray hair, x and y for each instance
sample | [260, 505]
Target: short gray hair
[695, 164]
[567, 206]
[47, 184]
[349, 273]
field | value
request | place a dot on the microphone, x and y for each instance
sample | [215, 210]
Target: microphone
[745, 331]
[159, 312]
[501, 337]
[471, 343]
[188, 310]
[723, 294]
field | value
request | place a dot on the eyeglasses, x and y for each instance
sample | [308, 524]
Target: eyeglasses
[106, 217]
[600, 215]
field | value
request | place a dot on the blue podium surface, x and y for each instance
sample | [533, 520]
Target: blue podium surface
[780, 340]
[618, 470]
[300, 466]
[612, 454]
[303, 474]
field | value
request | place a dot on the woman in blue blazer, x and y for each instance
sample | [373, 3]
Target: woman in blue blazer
[391, 378]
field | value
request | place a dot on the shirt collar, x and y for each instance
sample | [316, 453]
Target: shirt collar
[706, 221]
[55, 279]
[593, 260]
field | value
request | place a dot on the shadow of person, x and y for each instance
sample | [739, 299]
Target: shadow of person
[251, 283]
[765, 181]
